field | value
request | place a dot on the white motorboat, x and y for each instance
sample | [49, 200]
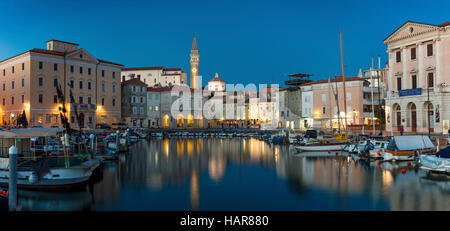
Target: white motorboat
[330, 146]
[436, 163]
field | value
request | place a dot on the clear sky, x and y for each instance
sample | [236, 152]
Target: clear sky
[244, 41]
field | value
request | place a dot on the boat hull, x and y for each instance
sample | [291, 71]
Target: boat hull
[320, 148]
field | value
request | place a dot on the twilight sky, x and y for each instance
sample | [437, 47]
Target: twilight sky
[244, 41]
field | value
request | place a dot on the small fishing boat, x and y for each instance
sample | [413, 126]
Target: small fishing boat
[322, 146]
[407, 147]
[440, 162]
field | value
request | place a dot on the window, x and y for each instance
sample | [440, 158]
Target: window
[41, 98]
[324, 98]
[103, 73]
[81, 84]
[114, 102]
[55, 67]
[141, 110]
[103, 101]
[103, 87]
[134, 110]
[134, 99]
[430, 50]
[3, 101]
[414, 81]
[41, 82]
[55, 82]
[89, 71]
[399, 84]
[80, 100]
[89, 85]
[150, 108]
[142, 99]
[349, 96]
[114, 75]
[81, 70]
[113, 88]
[4, 73]
[413, 53]
[12, 69]
[430, 79]
[12, 100]
[12, 85]
[55, 99]
[156, 108]
[71, 68]
[4, 87]
[23, 82]
[89, 100]
[72, 83]
[398, 56]
[23, 66]
[323, 110]
[41, 65]
[23, 99]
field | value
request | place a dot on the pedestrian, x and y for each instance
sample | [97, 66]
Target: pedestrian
[401, 130]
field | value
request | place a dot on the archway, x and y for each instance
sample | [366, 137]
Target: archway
[199, 121]
[412, 121]
[180, 121]
[190, 121]
[166, 121]
[397, 120]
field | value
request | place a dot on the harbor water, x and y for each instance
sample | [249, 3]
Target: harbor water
[247, 174]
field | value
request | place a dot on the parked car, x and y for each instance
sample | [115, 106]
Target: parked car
[103, 126]
[119, 125]
[311, 134]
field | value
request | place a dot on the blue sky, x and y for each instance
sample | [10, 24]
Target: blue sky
[245, 41]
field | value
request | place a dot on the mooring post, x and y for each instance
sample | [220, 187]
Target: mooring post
[117, 140]
[12, 189]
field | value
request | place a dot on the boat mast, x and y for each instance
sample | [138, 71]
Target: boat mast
[329, 99]
[343, 83]
[373, 108]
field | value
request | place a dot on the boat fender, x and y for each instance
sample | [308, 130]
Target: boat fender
[33, 178]
[403, 171]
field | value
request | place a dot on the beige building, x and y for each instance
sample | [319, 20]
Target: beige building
[418, 78]
[156, 76]
[29, 83]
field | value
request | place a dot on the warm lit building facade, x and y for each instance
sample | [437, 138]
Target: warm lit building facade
[156, 76]
[323, 100]
[418, 78]
[29, 83]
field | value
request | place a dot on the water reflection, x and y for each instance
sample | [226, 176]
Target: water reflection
[248, 174]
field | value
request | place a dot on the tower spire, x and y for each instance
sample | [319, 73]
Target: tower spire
[194, 44]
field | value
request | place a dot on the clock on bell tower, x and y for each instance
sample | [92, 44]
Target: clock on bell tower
[194, 65]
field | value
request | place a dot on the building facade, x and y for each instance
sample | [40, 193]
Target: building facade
[156, 76]
[29, 83]
[134, 103]
[418, 79]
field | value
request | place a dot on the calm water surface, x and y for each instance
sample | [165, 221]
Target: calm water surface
[246, 174]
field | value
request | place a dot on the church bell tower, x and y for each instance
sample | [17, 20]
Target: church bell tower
[194, 65]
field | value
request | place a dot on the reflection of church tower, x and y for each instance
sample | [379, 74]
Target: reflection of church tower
[194, 65]
[194, 190]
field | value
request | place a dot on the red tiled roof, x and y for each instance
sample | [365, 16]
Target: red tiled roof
[134, 81]
[62, 42]
[172, 69]
[104, 61]
[444, 24]
[171, 74]
[159, 89]
[142, 68]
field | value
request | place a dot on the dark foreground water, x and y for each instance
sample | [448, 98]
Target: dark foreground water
[247, 174]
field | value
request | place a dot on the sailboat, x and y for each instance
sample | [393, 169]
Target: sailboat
[340, 140]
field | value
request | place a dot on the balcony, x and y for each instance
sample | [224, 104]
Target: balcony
[84, 107]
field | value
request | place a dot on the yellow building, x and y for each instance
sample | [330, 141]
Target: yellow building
[29, 83]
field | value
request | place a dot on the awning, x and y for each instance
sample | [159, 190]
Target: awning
[415, 142]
